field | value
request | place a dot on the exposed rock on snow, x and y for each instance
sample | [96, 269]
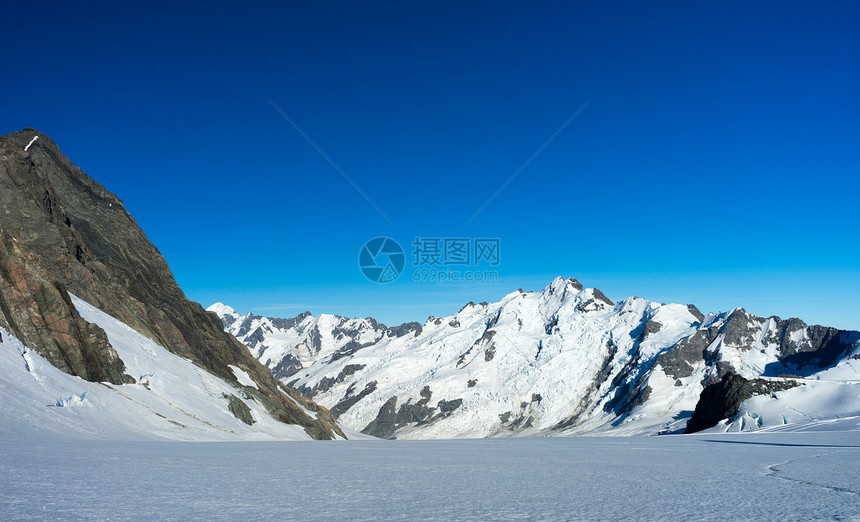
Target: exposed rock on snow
[722, 400]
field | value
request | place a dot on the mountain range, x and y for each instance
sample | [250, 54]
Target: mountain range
[564, 360]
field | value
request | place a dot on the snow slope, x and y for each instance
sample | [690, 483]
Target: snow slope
[563, 360]
[172, 399]
[806, 475]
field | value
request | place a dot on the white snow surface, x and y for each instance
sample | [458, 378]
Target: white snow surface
[242, 376]
[795, 475]
[31, 142]
[554, 361]
[172, 398]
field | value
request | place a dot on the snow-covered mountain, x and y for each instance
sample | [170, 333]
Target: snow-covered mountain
[563, 360]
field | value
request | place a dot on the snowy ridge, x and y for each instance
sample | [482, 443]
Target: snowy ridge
[562, 360]
[172, 399]
[285, 345]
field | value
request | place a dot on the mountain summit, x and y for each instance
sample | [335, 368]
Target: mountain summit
[65, 237]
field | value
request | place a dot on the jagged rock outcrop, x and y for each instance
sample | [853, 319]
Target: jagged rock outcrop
[63, 232]
[389, 419]
[721, 400]
[239, 409]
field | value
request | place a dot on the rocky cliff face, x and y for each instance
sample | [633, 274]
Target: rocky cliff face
[62, 232]
[564, 360]
[36, 308]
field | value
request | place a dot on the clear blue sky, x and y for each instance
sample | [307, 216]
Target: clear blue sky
[716, 163]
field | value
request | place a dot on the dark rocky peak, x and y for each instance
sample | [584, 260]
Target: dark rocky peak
[593, 300]
[820, 347]
[353, 328]
[799, 345]
[694, 311]
[574, 283]
[353, 332]
[77, 237]
[405, 329]
[741, 328]
[566, 287]
[601, 297]
[286, 324]
[467, 305]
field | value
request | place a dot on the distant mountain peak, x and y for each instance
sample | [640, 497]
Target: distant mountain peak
[221, 309]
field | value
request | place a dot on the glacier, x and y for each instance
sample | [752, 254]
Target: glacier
[805, 474]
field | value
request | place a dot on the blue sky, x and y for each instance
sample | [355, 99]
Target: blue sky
[715, 163]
